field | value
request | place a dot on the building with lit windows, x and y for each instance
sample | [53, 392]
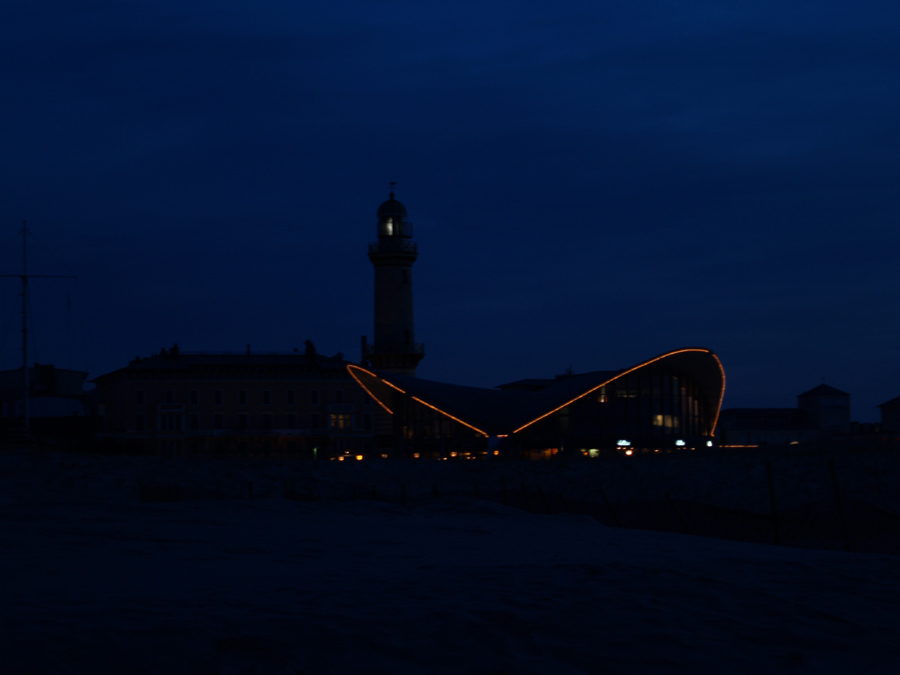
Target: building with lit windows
[305, 403]
[669, 402]
[299, 403]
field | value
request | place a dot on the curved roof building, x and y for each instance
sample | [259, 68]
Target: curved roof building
[671, 400]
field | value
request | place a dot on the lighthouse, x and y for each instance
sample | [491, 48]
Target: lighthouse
[394, 347]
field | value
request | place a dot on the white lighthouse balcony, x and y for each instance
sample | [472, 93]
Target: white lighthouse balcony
[397, 348]
[393, 246]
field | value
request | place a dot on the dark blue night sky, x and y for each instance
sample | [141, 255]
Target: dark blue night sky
[591, 183]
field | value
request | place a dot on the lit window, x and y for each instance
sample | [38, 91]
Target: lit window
[667, 421]
[340, 421]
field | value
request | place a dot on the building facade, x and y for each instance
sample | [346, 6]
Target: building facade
[303, 404]
[667, 403]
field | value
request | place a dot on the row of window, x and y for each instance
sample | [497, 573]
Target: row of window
[178, 422]
[218, 396]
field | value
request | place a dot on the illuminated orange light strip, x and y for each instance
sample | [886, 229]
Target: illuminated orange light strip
[721, 395]
[631, 370]
[351, 368]
[392, 386]
[456, 419]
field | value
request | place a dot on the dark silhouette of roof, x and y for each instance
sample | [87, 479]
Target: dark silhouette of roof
[893, 403]
[391, 208]
[180, 361]
[824, 390]
[537, 384]
[763, 411]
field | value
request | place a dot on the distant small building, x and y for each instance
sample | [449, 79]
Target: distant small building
[890, 416]
[59, 410]
[821, 412]
[827, 409]
[301, 403]
[756, 426]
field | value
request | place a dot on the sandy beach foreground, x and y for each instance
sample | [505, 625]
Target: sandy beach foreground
[95, 581]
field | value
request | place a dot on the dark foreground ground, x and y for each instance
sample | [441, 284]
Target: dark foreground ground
[149, 565]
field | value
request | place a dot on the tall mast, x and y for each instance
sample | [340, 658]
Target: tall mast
[24, 277]
[25, 390]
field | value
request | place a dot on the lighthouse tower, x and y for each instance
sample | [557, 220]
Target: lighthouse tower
[394, 347]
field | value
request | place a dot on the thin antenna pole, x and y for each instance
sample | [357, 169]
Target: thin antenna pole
[26, 387]
[24, 277]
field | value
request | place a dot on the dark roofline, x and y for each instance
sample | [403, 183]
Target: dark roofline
[187, 360]
[538, 383]
[764, 411]
[823, 390]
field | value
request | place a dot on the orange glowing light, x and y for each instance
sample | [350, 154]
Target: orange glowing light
[351, 368]
[359, 458]
[721, 395]
[631, 370]
[455, 419]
